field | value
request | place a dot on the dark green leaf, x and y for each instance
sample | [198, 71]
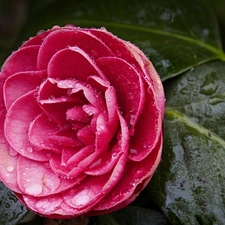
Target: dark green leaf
[189, 183]
[176, 35]
[11, 210]
[134, 216]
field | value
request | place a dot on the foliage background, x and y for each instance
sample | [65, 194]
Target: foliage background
[185, 41]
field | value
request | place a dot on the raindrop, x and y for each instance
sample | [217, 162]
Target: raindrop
[51, 97]
[82, 198]
[2, 141]
[33, 189]
[118, 53]
[210, 85]
[94, 53]
[133, 151]
[40, 32]
[101, 128]
[30, 149]
[114, 155]
[103, 28]
[10, 168]
[12, 152]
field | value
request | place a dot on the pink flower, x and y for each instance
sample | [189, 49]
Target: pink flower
[81, 115]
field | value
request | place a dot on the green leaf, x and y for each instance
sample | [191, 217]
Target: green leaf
[189, 183]
[176, 35]
[11, 210]
[134, 216]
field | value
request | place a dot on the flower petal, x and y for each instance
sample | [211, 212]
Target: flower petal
[147, 130]
[24, 59]
[71, 63]
[63, 38]
[8, 162]
[128, 85]
[26, 81]
[136, 173]
[18, 118]
[37, 179]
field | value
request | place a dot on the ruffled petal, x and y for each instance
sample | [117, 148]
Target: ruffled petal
[72, 63]
[37, 179]
[136, 173]
[128, 85]
[147, 130]
[18, 118]
[24, 59]
[8, 162]
[26, 81]
[63, 38]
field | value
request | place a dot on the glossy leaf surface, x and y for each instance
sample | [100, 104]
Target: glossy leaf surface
[133, 216]
[189, 183]
[11, 210]
[176, 35]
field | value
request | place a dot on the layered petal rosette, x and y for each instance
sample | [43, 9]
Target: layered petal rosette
[81, 115]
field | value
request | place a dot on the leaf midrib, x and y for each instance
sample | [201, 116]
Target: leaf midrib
[185, 119]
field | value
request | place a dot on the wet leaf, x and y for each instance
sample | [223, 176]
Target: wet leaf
[11, 210]
[134, 216]
[189, 183]
[176, 35]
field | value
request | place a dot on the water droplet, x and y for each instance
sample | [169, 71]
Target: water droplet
[82, 198]
[30, 149]
[94, 53]
[103, 28]
[2, 141]
[135, 182]
[114, 155]
[101, 128]
[51, 97]
[133, 151]
[118, 53]
[12, 152]
[33, 189]
[10, 168]
[210, 85]
[40, 32]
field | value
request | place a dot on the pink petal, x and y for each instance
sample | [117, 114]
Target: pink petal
[63, 38]
[2, 103]
[147, 130]
[85, 135]
[18, 118]
[8, 162]
[116, 45]
[24, 59]
[72, 63]
[150, 75]
[37, 40]
[105, 162]
[136, 173]
[128, 85]
[21, 83]
[39, 131]
[37, 179]
[77, 114]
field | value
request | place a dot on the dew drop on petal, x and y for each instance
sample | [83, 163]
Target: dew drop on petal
[33, 189]
[10, 168]
[29, 149]
[83, 197]
[133, 151]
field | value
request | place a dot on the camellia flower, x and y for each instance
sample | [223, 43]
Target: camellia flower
[81, 115]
